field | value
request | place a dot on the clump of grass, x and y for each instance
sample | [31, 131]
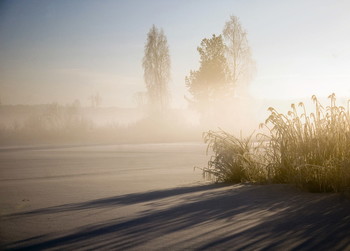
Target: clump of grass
[310, 150]
[235, 159]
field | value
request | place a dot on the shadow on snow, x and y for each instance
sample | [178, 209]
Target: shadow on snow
[211, 217]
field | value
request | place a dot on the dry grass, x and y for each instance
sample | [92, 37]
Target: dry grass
[310, 150]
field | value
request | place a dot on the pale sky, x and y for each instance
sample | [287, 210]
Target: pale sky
[70, 49]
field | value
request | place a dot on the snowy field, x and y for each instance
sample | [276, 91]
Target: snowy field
[148, 197]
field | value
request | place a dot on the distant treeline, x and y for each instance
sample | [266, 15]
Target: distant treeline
[10, 114]
[70, 124]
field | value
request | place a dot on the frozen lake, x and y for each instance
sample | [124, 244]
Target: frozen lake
[38, 177]
[148, 197]
[41, 177]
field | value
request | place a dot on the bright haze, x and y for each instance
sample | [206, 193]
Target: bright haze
[60, 51]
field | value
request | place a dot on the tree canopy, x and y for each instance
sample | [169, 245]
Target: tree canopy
[226, 68]
[212, 79]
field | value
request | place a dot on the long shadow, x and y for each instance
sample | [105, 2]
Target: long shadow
[127, 199]
[246, 218]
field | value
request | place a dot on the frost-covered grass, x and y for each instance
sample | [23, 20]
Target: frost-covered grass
[311, 150]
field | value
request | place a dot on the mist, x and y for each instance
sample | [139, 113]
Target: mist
[53, 55]
[174, 125]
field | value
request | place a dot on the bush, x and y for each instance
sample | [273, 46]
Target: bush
[310, 150]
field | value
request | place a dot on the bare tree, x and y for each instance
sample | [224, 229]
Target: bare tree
[98, 99]
[156, 65]
[95, 100]
[238, 54]
[140, 99]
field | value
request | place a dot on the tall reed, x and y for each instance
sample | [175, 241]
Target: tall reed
[310, 150]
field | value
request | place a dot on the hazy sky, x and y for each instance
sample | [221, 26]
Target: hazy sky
[66, 50]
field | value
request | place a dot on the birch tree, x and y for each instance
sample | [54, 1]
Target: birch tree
[238, 55]
[156, 65]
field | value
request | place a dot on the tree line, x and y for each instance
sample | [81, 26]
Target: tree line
[226, 68]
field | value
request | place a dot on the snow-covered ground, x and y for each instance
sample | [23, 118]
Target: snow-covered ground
[148, 196]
